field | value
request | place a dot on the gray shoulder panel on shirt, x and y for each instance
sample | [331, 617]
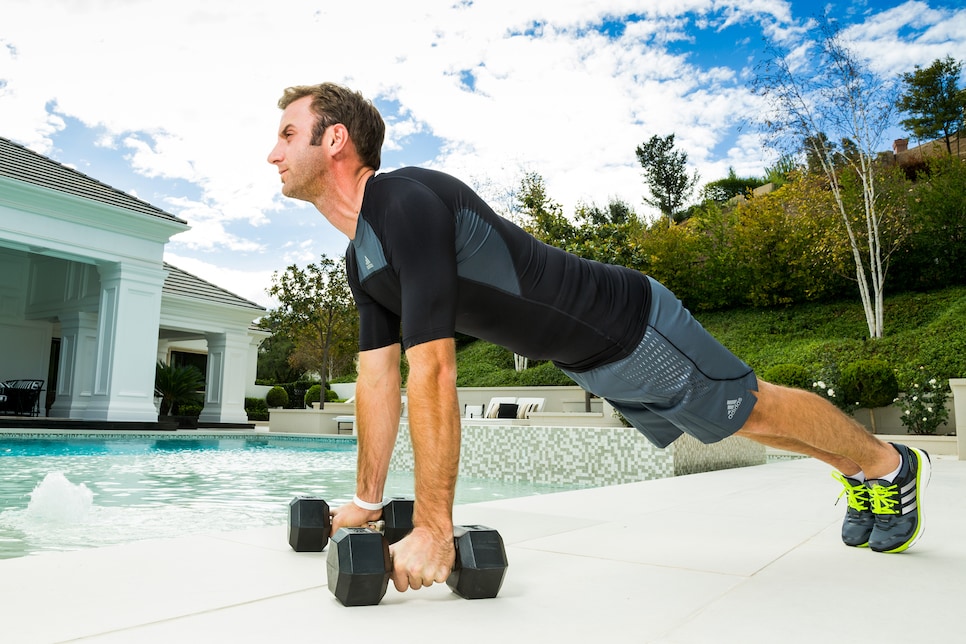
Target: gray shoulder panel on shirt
[481, 254]
[369, 256]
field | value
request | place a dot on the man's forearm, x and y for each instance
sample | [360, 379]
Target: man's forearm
[434, 427]
[377, 419]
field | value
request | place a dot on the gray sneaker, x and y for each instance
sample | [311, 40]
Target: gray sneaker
[859, 520]
[897, 506]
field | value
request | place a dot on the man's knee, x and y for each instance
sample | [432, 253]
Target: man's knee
[776, 405]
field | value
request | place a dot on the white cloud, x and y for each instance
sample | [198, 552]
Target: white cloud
[186, 91]
[299, 252]
[910, 34]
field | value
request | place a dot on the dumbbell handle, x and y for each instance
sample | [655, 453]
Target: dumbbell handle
[379, 526]
[310, 523]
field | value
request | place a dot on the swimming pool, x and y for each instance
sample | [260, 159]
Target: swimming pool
[63, 492]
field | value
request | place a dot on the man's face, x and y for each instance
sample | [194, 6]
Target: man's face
[300, 164]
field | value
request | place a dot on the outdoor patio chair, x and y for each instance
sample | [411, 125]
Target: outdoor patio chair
[344, 423]
[493, 409]
[21, 397]
[526, 406]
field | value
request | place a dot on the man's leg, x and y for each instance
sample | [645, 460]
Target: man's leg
[884, 483]
[803, 422]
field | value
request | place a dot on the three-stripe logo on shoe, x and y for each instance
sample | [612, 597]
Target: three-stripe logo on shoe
[733, 406]
[907, 501]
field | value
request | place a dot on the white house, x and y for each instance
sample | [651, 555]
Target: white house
[88, 304]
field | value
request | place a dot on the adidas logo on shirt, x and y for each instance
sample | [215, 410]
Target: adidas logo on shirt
[733, 406]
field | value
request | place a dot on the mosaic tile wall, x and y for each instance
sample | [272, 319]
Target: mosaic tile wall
[584, 456]
[692, 456]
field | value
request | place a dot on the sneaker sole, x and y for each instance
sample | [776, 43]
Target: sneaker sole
[923, 474]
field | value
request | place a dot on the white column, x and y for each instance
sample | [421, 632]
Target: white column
[225, 381]
[75, 372]
[958, 385]
[127, 342]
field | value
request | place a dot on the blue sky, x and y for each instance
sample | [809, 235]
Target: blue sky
[174, 101]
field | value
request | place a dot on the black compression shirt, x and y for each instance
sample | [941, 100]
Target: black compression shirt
[430, 258]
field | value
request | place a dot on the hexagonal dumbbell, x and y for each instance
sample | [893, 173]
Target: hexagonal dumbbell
[359, 565]
[480, 562]
[309, 522]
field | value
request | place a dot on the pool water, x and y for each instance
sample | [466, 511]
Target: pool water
[71, 494]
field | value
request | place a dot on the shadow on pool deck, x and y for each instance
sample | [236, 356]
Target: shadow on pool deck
[743, 555]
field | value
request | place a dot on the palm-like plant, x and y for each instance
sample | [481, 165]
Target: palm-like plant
[177, 385]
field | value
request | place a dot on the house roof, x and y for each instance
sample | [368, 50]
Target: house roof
[184, 284]
[928, 149]
[21, 164]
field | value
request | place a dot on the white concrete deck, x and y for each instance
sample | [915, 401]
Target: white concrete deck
[746, 555]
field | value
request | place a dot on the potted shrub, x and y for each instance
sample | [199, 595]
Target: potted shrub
[871, 384]
[788, 375]
[176, 386]
[313, 395]
[256, 409]
[276, 397]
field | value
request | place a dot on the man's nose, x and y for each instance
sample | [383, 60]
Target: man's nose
[275, 155]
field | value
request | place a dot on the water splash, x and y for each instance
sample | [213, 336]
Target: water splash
[57, 500]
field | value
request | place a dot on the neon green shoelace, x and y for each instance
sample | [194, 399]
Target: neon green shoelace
[857, 494]
[884, 499]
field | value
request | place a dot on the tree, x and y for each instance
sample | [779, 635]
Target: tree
[935, 103]
[543, 218]
[722, 190]
[317, 312]
[837, 97]
[618, 212]
[778, 174]
[611, 243]
[784, 247]
[936, 250]
[274, 352]
[665, 171]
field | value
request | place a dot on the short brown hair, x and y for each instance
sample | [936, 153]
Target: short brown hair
[333, 104]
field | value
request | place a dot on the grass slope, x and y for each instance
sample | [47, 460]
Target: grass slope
[922, 329]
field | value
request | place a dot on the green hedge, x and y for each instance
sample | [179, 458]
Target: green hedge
[313, 395]
[788, 375]
[870, 383]
[277, 396]
[922, 330]
[256, 408]
[192, 410]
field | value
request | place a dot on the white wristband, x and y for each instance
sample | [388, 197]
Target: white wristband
[365, 505]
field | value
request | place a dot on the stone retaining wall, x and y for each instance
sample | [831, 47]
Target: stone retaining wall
[580, 456]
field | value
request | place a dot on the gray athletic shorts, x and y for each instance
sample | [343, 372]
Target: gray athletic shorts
[678, 380]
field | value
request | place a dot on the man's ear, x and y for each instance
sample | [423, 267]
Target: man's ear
[340, 145]
[339, 138]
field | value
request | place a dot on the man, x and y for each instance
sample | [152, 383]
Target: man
[427, 257]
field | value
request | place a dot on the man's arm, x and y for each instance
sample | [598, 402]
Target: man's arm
[377, 423]
[427, 555]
